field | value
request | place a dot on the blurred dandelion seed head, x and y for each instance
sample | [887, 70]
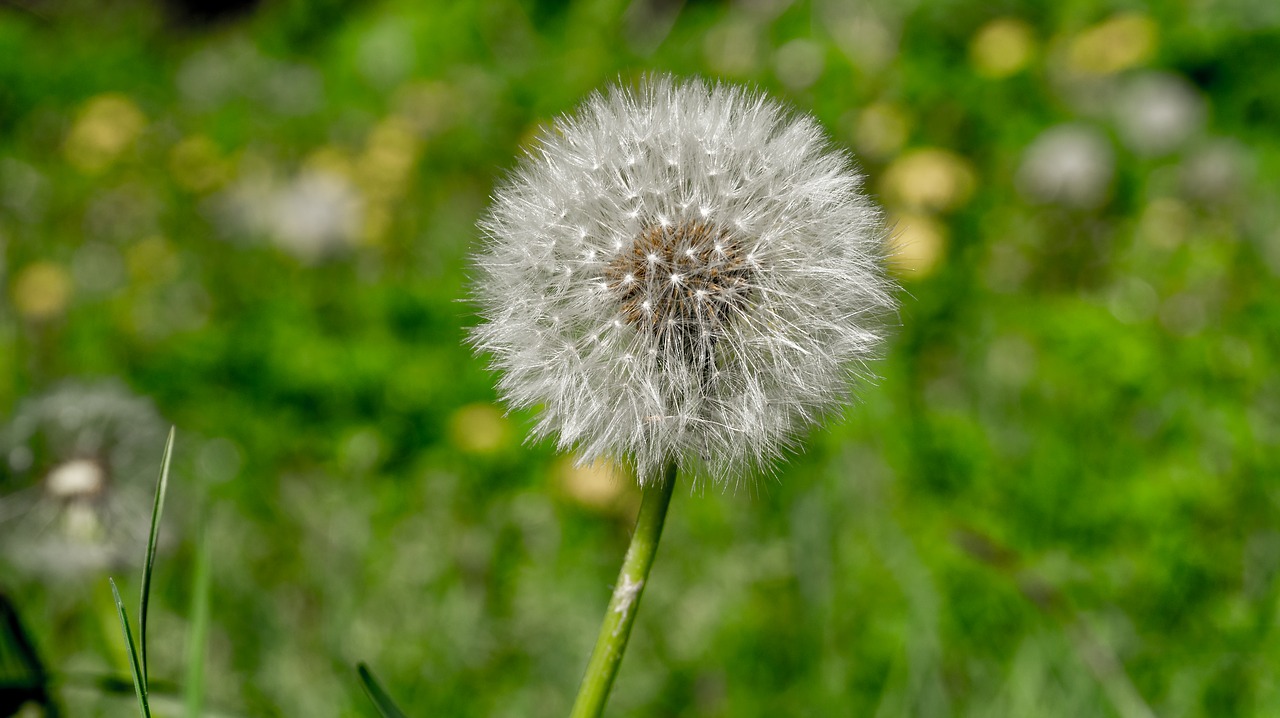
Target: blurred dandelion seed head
[77, 466]
[1158, 112]
[1070, 165]
[682, 272]
[76, 479]
[1217, 171]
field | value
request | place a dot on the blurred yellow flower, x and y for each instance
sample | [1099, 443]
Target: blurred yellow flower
[330, 160]
[106, 126]
[478, 429]
[1118, 43]
[42, 290]
[928, 179]
[1165, 223]
[430, 107]
[152, 260]
[599, 486]
[731, 47]
[1002, 47]
[389, 156]
[197, 164]
[915, 245]
[384, 171]
[881, 131]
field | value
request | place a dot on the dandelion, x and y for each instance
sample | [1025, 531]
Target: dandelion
[1158, 112]
[685, 273]
[76, 466]
[1071, 165]
[683, 278]
[1216, 171]
[315, 215]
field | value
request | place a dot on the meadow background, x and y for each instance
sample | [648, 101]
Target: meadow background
[1060, 499]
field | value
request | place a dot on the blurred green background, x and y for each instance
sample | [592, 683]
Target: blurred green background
[1060, 499]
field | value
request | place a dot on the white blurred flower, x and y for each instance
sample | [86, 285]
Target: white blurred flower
[798, 63]
[1217, 171]
[1157, 112]
[219, 73]
[237, 69]
[684, 273]
[77, 471]
[313, 215]
[24, 190]
[316, 214]
[293, 90]
[1070, 165]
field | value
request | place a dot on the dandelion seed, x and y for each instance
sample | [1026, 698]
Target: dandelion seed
[744, 283]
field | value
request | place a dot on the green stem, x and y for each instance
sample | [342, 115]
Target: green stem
[616, 628]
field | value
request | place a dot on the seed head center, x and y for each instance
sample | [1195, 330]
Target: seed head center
[77, 479]
[683, 283]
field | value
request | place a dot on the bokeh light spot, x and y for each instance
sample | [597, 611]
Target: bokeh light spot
[42, 291]
[478, 429]
[600, 486]
[1121, 42]
[1002, 47]
[882, 129]
[916, 245]
[197, 164]
[929, 179]
[105, 128]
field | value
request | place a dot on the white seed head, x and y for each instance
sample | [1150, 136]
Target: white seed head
[726, 292]
[77, 472]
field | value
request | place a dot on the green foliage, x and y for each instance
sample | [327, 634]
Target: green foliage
[1056, 502]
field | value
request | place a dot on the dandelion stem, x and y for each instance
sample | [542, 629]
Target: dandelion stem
[616, 628]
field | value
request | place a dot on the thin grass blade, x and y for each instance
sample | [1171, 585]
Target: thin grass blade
[386, 707]
[157, 508]
[22, 673]
[139, 682]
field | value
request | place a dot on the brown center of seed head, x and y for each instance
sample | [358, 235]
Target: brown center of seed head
[684, 283]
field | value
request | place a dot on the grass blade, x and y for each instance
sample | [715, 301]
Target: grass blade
[199, 636]
[161, 486]
[386, 707]
[22, 674]
[139, 682]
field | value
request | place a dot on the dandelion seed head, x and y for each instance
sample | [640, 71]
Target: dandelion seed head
[723, 284]
[77, 466]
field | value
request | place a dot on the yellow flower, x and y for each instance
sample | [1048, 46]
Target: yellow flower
[478, 429]
[1117, 43]
[929, 179]
[1002, 47]
[42, 291]
[916, 245]
[106, 127]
